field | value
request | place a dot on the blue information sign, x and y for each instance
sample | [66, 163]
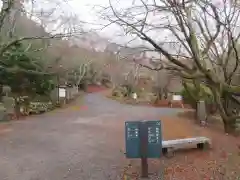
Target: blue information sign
[134, 142]
[132, 139]
[154, 148]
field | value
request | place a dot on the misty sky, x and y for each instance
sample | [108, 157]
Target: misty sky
[86, 12]
[85, 8]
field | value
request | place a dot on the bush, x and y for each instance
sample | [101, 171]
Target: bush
[119, 92]
[41, 98]
[188, 99]
[106, 80]
[40, 107]
[192, 95]
[83, 85]
[128, 89]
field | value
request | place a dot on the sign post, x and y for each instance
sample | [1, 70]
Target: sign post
[144, 149]
[143, 140]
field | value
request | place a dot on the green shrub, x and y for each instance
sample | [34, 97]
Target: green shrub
[188, 99]
[128, 89]
[41, 98]
[191, 95]
[40, 107]
[84, 84]
[119, 92]
[106, 80]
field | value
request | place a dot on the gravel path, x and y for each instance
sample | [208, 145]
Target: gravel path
[71, 143]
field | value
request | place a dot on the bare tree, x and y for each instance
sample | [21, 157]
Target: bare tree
[199, 39]
[163, 81]
[44, 23]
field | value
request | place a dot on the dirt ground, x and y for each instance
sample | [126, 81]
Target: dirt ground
[221, 162]
[95, 88]
[160, 103]
[58, 140]
[5, 127]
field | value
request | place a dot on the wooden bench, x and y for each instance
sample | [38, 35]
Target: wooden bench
[173, 102]
[169, 146]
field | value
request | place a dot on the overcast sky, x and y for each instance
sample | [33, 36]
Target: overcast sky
[86, 12]
[85, 8]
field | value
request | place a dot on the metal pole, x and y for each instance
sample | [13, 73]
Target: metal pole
[58, 89]
[143, 146]
[58, 82]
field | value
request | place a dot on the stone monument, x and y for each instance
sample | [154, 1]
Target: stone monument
[201, 113]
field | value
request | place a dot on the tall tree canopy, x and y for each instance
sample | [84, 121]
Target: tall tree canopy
[198, 39]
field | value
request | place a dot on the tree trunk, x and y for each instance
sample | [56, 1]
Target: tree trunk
[17, 108]
[229, 126]
[159, 94]
[196, 114]
[226, 111]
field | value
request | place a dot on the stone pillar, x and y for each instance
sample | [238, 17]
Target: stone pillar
[201, 113]
[9, 105]
[67, 94]
[54, 95]
[2, 112]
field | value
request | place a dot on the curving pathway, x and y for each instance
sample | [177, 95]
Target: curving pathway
[72, 143]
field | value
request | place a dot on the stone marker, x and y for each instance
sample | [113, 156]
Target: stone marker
[201, 113]
[2, 112]
[134, 96]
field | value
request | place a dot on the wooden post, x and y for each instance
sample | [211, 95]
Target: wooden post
[144, 145]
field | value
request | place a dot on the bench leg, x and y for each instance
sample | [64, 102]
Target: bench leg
[168, 152]
[182, 105]
[200, 146]
[164, 151]
[203, 146]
